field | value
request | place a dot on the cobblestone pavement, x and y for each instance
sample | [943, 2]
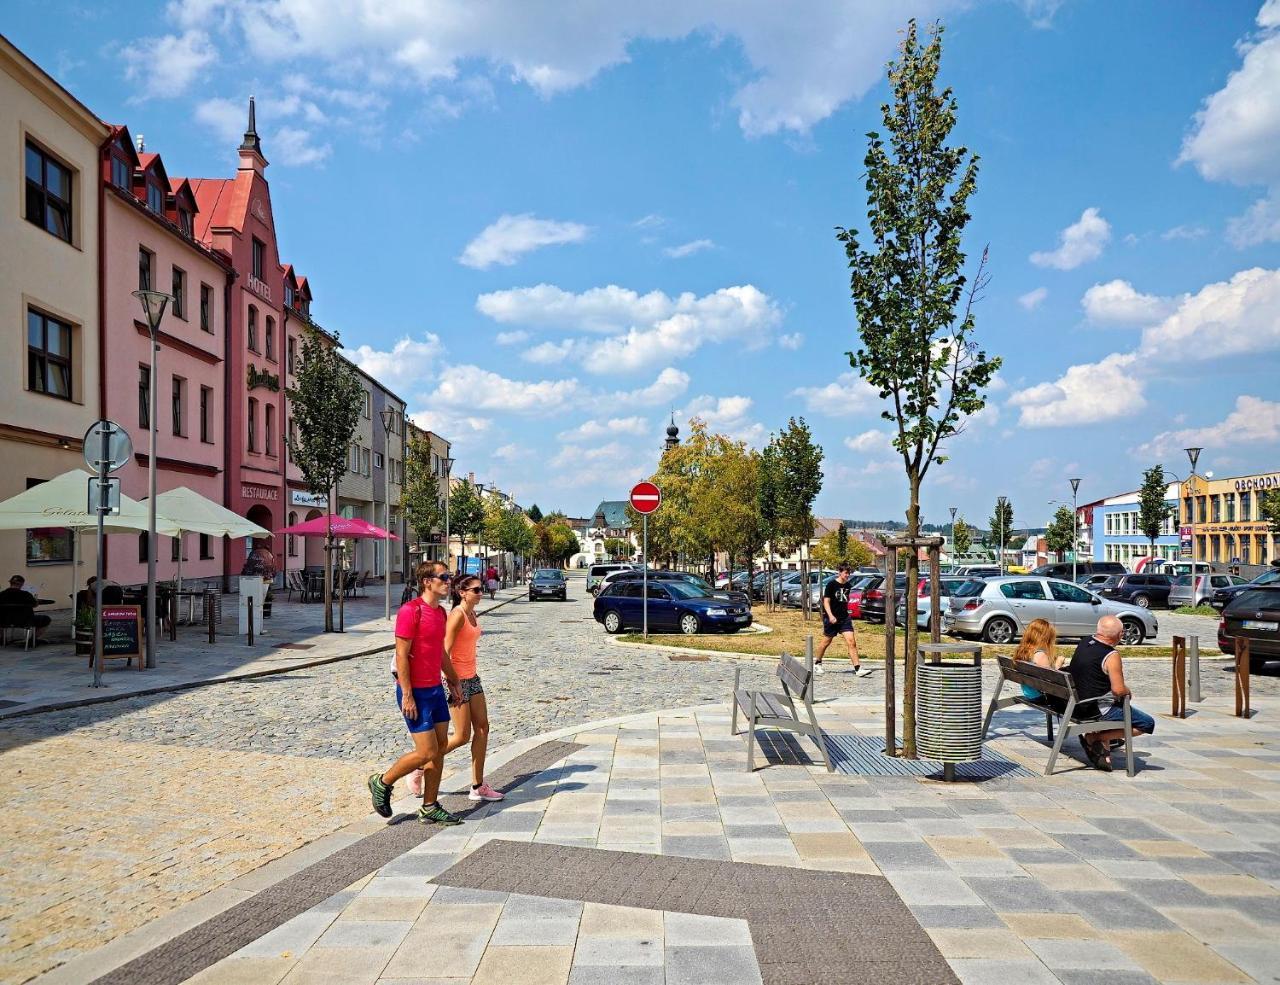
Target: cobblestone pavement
[117, 813]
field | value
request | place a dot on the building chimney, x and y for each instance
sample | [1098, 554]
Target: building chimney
[142, 143]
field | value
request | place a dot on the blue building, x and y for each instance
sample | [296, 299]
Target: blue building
[1116, 536]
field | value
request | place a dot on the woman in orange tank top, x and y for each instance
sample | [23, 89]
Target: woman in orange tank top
[471, 714]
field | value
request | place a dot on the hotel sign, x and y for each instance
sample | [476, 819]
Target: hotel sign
[255, 378]
[1258, 482]
[258, 287]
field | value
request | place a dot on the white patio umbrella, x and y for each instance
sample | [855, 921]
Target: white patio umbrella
[186, 511]
[64, 502]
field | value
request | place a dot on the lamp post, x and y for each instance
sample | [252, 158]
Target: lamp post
[1075, 528]
[480, 532]
[388, 416]
[153, 305]
[1194, 455]
[1000, 501]
[953, 529]
[446, 463]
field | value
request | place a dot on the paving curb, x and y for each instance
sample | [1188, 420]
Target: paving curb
[99, 699]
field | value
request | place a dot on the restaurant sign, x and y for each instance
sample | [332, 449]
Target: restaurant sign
[269, 493]
[298, 497]
[256, 378]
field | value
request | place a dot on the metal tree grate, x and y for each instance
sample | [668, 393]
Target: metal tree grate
[861, 755]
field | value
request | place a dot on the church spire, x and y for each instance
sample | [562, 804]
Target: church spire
[673, 434]
[251, 141]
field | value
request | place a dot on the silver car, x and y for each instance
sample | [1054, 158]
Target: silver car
[999, 609]
[1182, 594]
[793, 592]
[947, 586]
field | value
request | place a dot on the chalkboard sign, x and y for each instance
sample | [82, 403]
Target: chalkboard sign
[121, 631]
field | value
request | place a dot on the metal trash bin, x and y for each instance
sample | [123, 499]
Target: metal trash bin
[949, 703]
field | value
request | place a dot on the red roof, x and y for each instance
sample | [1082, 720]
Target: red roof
[213, 197]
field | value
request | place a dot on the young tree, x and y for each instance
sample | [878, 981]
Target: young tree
[961, 536]
[800, 481]
[466, 513]
[533, 513]
[1001, 524]
[423, 506]
[1061, 533]
[1153, 510]
[617, 548]
[1269, 509]
[915, 316]
[768, 491]
[326, 408]
[829, 553]
[842, 541]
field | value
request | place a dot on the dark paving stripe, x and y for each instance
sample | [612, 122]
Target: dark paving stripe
[808, 926]
[208, 943]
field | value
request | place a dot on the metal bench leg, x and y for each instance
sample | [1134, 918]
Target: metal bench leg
[1128, 738]
[751, 737]
[733, 700]
[1063, 731]
[1048, 724]
[991, 709]
[818, 737]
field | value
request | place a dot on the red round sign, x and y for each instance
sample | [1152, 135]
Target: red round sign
[645, 497]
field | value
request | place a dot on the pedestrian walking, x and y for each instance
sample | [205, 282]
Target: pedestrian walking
[491, 581]
[421, 659]
[836, 621]
[471, 714]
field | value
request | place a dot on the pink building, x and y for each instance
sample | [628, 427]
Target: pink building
[149, 222]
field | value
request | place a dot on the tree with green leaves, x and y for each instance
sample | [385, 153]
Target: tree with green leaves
[768, 490]
[423, 505]
[1001, 524]
[1060, 535]
[1269, 509]
[1153, 507]
[533, 513]
[842, 541]
[325, 406]
[961, 536]
[912, 298]
[617, 548]
[799, 482]
[466, 513]
[829, 552]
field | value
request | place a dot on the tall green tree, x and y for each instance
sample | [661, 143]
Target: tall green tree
[325, 404]
[1060, 535]
[961, 536]
[423, 506]
[800, 481]
[842, 542]
[466, 513]
[830, 553]
[913, 301]
[534, 513]
[768, 510]
[1269, 509]
[1153, 509]
[1001, 524]
[617, 548]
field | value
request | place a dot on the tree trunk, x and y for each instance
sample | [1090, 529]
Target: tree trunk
[909, 649]
[328, 569]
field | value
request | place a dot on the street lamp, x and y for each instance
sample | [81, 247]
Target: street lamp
[1194, 455]
[1075, 528]
[388, 416]
[480, 533]
[446, 463]
[1000, 501]
[953, 528]
[153, 305]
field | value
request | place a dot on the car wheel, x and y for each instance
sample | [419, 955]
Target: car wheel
[999, 630]
[1142, 601]
[1133, 634]
[689, 624]
[531, 596]
[612, 622]
[1257, 664]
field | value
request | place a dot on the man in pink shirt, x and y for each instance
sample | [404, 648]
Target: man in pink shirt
[420, 661]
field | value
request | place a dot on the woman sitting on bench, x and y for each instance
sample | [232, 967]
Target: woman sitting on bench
[1039, 646]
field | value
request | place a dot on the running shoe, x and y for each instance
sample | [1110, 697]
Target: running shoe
[435, 814]
[485, 792]
[861, 671]
[817, 667]
[381, 794]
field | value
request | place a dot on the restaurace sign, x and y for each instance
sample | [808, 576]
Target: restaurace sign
[256, 378]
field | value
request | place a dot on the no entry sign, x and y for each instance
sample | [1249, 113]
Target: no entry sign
[645, 498]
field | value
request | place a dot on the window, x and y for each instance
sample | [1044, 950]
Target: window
[367, 401]
[355, 460]
[1246, 506]
[253, 329]
[1231, 507]
[269, 429]
[206, 548]
[253, 424]
[179, 405]
[48, 355]
[48, 545]
[143, 548]
[291, 540]
[1201, 515]
[1022, 590]
[377, 460]
[293, 439]
[155, 197]
[292, 356]
[1215, 505]
[180, 293]
[288, 295]
[146, 263]
[259, 255]
[206, 414]
[271, 337]
[121, 173]
[184, 221]
[206, 308]
[144, 396]
[177, 548]
[364, 461]
[48, 193]
[1062, 592]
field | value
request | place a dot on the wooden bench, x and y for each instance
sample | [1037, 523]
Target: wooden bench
[772, 709]
[1060, 689]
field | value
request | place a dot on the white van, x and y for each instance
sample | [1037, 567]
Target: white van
[596, 574]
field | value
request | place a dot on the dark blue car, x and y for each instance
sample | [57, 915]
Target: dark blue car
[673, 605]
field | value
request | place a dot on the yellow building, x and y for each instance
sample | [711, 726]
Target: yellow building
[49, 303]
[1224, 521]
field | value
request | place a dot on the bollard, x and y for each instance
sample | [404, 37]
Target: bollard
[249, 601]
[1242, 678]
[1193, 669]
[209, 612]
[1179, 677]
[173, 616]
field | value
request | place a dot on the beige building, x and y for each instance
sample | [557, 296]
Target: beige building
[1221, 518]
[50, 152]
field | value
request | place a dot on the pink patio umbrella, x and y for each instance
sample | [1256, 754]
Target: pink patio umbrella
[344, 528]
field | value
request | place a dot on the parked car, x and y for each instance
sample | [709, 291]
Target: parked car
[858, 587]
[924, 605]
[597, 572]
[1066, 570]
[999, 609]
[1144, 590]
[737, 580]
[793, 591]
[547, 583]
[1221, 596]
[873, 598]
[1183, 593]
[613, 576]
[1254, 614]
[688, 578]
[1093, 582]
[673, 605]
[978, 570]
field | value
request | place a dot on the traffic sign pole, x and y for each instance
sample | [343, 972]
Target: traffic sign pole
[644, 523]
[645, 498]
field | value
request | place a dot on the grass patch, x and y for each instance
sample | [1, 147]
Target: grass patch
[1199, 610]
[790, 629]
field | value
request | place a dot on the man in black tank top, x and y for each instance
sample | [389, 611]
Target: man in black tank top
[1097, 670]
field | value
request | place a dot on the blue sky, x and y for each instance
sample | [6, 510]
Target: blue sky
[548, 224]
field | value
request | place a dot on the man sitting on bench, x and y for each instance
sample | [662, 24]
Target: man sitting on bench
[17, 595]
[1096, 670]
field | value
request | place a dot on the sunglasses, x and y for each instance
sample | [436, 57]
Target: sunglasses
[442, 577]
[477, 589]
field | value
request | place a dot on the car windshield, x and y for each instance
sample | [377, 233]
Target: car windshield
[683, 590]
[1256, 600]
[969, 589]
[547, 574]
[1182, 580]
[1111, 581]
[1270, 578]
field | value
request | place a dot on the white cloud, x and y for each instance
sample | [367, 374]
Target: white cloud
[1079, 243]
[1117, 301]
[1253, 422]
[847, 395]
[650, 221]
[792, 341]
[726, 415]
[1260, 223]
[668, 385]
[294, 146]
[405, 366]
[1184, 232]
[507, 239]
[870, 442]
[168, 65]
[511, 338]
[471, 386]
[688, 249]
[512, 452]
[286, 144]
[1033, 298]
[591, 430]
[548, 353]
[1084, 394]
[1040, 12]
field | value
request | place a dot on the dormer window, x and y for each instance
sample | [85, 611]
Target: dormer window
[155, 198]
[288, 296]
[184, 221]
[121, 173]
